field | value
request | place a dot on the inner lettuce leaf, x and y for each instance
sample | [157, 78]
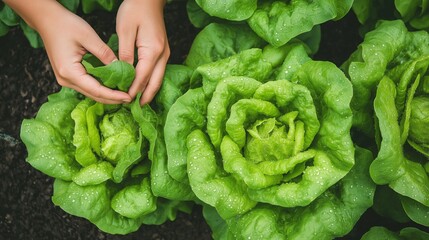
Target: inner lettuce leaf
[258, 63]
[333, 214]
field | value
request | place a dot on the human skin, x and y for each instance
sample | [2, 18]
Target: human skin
[67, 38]
[140, 24]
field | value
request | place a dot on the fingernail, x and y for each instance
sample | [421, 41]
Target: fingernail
[126, 100]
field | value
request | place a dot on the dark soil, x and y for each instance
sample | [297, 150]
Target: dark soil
[26, 79]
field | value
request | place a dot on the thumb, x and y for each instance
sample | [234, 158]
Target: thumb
[99, 49]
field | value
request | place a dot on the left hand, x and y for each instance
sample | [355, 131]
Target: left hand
[140, 24]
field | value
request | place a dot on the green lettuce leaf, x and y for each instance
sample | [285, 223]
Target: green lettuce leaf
[387, 50]
[331, 215]
[217, 41]
[274, 20]
[394, 165]
[407, 233]
[116, 75]
[8, 16]
[235, 10]
[389, 75]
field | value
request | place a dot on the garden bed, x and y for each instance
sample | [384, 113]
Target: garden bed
[26, 79]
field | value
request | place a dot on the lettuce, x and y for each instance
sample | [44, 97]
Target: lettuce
[100, 155]
[277, 22]
[274, 20]
[259, 126]
[343, 202]
[389, 75]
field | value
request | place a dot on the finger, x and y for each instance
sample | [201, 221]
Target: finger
[127, 39]
[98, 48]
[94, 90]
[144, 69]
[154, 83]
[90, 87]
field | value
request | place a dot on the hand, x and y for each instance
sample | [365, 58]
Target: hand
[140, 24]
[67, 38]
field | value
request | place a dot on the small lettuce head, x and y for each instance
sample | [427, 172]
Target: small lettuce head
[100, 156]
[262, 125]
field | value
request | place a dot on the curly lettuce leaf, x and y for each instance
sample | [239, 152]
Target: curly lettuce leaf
[405, 173]
[93, 202]
[185, 115]
[217, 41]
[260, 64]
[234, 10]
[175, 83]
[116, 75]
[47, 136]
[331, 215]
[387, 50]
[210, 183]
[408, 233]
[274, 21]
